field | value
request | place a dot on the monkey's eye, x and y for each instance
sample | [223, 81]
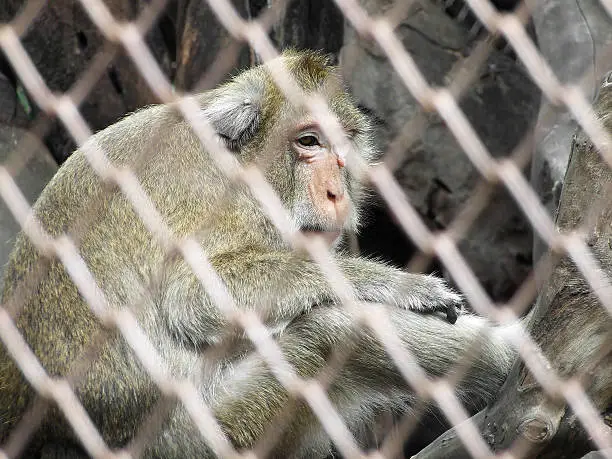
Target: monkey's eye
[308, 140]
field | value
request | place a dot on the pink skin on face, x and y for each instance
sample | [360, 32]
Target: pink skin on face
[326, 187]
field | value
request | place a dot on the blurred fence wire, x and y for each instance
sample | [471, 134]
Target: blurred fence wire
[443, 100]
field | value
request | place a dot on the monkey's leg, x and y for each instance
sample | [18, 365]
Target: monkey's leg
[281, 286]
[248, 398]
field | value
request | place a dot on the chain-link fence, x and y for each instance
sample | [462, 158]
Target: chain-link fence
[443, 244]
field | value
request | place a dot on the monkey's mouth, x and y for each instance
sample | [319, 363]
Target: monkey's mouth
[329, 235]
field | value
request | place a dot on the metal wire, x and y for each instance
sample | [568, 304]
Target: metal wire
[442, 100]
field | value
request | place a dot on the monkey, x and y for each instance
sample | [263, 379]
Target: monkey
[286, 289]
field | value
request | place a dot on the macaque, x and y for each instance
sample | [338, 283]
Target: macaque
[285, 288]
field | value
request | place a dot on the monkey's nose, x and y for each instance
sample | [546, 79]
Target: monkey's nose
[335, 194]
[338, 205]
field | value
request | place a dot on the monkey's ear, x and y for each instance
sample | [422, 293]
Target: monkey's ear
[235, 113]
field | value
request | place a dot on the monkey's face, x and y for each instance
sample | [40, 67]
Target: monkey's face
[309, 173]
[320, 192]
[254, 118]
[322, 203]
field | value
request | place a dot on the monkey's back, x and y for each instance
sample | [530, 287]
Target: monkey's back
[119, 251]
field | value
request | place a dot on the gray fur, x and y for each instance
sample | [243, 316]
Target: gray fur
[235, 112]
[288, 290]
[367, 386]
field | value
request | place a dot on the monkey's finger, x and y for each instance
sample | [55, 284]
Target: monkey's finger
[451, 313]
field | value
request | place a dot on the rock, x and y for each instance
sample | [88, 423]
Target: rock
[569, 326]
[572, 37]
[63, 42]
[31, 179]
[310, 24]
[435, 172]
[202, 41]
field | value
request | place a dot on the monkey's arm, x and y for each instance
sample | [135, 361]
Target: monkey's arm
[280, 286]
[377, 282]
[248, 400]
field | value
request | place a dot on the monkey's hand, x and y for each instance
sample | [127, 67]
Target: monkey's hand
[428, 293]
[377, 282]
[280, 286]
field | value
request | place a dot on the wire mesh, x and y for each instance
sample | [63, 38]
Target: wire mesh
[442, 100]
